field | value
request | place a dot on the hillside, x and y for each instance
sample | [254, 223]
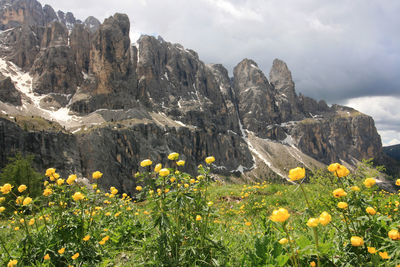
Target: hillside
[392, 151]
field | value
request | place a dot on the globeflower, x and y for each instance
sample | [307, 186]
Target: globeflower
[27, 201]
[75, 256]
[86, 238]
[113, 190]
[339, 193]
[355, 188]
[283, 241]
[370, 210]
[369, 182]
[60, 182]
[22, 188]
[342, 171]
[47, 192]
[384, 255]
[71, 179]
[333, 167]
[6, 188]
[280, 215]
[180, 163]
[97, 175]
[325, 218]
[372, 250]
[313, 222]
[158, 167]
[394, 234]
[46, 257]
[356, 241]
[342, 205]
[146, 163]
[173, 156]
[139, 188]
[398, 182]
[198, 218]
[61, 251]
[50, 172]
[297, 174]
[163, 172]
[78, 196]
[2, 209]
[12, 263]
[210, 160]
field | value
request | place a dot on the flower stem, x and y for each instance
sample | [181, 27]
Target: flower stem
[291, 246]
[4, 246]
[305, 196]
[317, 246]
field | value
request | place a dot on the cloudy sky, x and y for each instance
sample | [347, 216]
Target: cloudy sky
[343, 51]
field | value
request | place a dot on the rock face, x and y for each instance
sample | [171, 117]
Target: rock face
[255, 96]
[8, 93]
[50, 148]
[154, 97]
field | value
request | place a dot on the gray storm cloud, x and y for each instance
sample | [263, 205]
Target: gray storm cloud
[336, 50]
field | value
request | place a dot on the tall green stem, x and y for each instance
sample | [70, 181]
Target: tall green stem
[291, 246]
[317, 245]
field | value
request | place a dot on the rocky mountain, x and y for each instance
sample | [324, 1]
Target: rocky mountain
[81, 97]
[392, 151]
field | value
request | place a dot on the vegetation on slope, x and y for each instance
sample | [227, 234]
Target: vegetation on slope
[338, 219]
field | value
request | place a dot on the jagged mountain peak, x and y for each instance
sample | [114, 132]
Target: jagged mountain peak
[125, 102]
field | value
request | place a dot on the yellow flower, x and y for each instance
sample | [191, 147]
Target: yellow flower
[198, 218]
[313, 222]
[50, 172]
[71, 179]
[46, 257]
[75, 256]
[166, 190]
[164, 172]
[78, 196]
[312, 264]
[2, 199]
[54, 177]
[325, 218]
[27, 201]
[158, 167]
[394, 234]
[22, 221]
[180, 163]
[355, 188]
[2, 209]
[283, 241]
[210, 160]
[247, 223]
[369, 182]
[398, 182]
[6, 188]
[384, 255]
[280, 215]
[86, 238]
[146, 163]
[356, 241]
[31, 221]
[297, 174]
[94, 186]
[173, 179]
[16, 228]
[97, 175]
[371, 250]
[22, 188]
[186, 185]
[102, 242]
[210, 203]
[60, 182]
[342, 171]
[139, 188]
[173, 156]
[192, 181]
[370, 210]
[12, 263]
[339, 193]
[333, 167]
[19, 200]
[47, 192]
[113, 190]
[342, 205]
[61, 251]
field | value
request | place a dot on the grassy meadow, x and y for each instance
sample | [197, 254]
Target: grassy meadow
[335, 218]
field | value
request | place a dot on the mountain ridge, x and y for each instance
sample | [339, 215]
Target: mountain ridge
[124, 102]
